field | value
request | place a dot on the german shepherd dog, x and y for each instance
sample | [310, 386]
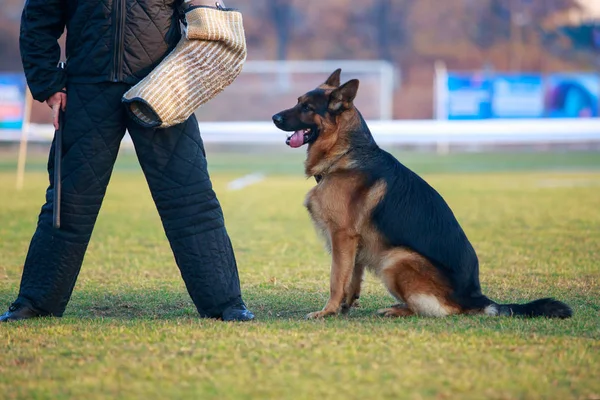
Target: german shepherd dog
[374, 213]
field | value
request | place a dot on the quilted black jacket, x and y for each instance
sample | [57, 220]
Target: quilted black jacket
[107, 40]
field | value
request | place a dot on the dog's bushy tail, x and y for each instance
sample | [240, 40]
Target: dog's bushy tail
[548, 307]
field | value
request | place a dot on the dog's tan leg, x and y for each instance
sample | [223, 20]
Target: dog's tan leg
[343, 251]
[352, 292]
[397, 310]
[413, 279]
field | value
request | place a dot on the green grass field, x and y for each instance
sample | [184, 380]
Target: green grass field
[131, 330]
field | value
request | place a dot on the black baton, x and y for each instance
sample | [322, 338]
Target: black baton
[57, 168]
[57, 161]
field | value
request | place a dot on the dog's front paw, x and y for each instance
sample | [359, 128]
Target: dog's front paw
[345, 308]
[320, 314]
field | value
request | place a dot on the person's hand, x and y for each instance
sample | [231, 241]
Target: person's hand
[56, 102]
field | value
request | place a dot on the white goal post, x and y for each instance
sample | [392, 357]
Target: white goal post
[381, 70]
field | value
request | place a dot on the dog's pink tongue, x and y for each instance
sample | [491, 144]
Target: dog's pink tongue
[297, 139]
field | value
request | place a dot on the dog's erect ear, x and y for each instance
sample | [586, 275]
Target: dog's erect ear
[334, 79]
[342, 97]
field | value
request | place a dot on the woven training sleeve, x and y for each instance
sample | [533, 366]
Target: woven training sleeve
[206, 60]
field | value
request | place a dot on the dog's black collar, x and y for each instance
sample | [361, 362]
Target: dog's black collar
[319, 177]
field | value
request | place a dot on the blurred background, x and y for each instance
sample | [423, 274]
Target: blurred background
[444, 75]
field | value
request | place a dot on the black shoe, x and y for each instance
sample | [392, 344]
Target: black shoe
[17, 312]
[239, 312]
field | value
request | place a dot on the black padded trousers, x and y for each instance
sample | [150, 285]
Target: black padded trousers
[174, 163]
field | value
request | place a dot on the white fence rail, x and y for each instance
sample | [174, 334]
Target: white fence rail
[396, 132]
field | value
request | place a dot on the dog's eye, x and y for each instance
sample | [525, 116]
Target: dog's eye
[305, 107]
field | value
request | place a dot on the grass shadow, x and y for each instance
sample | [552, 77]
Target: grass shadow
[284, 309]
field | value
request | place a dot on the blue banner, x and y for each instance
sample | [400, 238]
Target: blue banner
[572, 95]
[495, 95]
[517, 96]
[12, 100]
[469, 96]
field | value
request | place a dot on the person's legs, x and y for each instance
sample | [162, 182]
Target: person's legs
[94, 125]
[174, 163]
